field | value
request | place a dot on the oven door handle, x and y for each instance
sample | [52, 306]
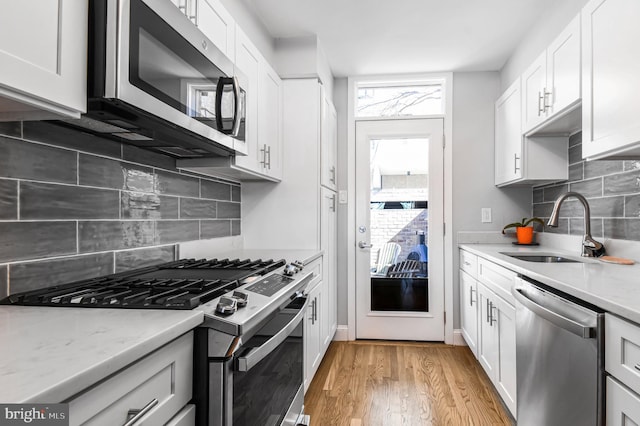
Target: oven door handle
[255, 355]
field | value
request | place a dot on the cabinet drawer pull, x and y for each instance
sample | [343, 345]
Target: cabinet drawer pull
[637, 367]
[467, 263]
[134, 416]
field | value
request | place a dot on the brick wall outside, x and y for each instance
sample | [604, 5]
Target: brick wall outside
[398, 226]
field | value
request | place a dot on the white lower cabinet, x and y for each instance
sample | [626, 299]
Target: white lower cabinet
[623, 405]
[469, 310]
[487, 313]
[312, 335]
[158, 387]
[186, 417]
[622, 362]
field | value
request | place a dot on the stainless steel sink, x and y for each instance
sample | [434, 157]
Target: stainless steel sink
[542, 258]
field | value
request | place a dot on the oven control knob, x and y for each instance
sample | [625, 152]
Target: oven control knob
[290, 270]
[241, 298]
[227, 305]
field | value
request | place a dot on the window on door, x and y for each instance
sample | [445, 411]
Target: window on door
[390, 99]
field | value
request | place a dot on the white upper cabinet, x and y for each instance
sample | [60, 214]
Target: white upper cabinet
[217, 24]
[530, 160]
[329, 144]
[551, 84]
[508, 136]
[43, 52]
[611, 79]
[270, 121]
[213, 20]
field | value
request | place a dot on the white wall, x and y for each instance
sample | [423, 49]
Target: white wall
[474, 95]
[538, 38]
[340, 101]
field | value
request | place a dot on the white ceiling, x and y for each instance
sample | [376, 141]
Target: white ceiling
[363, 37]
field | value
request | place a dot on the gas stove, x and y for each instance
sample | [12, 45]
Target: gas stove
[218, 287]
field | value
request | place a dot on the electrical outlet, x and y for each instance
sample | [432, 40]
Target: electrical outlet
[486, 215]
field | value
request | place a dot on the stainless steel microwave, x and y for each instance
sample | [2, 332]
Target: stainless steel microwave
[155, 81]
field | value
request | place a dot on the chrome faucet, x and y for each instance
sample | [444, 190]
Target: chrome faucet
[590, 247]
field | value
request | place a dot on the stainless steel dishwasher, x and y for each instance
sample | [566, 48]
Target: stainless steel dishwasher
[559, 358]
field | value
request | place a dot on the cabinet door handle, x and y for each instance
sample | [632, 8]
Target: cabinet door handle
[263, 150]
[333, 174]
[515, 163]
[541, 108]
[488, 311]
[333, 203]
[637, 367]
[133, 416]
[493, 318]
[268, 157]
[546, 95]
[471, 290]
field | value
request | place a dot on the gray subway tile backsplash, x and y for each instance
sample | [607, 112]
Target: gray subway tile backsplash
[36, 275]
[177, 184]
[193, 208]
[114, 235]
[175, 231]
[228, 210]
[139, 258]
[34, 240]
[37, 162]
[8, 199]
[45, 201]
[107, 173]
[215, 228]
[140, 205]
[80, 206]
[612, 188]
[622, 183]
[552, 192]
[215, 190]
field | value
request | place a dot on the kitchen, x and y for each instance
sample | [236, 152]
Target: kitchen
[113, 204]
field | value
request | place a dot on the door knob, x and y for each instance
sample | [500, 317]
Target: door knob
[364, 245]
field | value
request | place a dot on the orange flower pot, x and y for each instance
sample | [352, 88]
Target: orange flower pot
[524, 234]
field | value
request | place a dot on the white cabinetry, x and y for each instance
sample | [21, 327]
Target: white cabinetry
[469, 310]
[487, 313]
[508, 137]
[329, 145]
[610, 79]
[622, 362]
[313, 339]
[524, 160]
[158, 387]
[213, 20]
[299, 212]
[263, 131]
[43, 52]
[551, 85]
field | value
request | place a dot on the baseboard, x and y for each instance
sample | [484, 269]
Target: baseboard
[342, 333]
[458, 340]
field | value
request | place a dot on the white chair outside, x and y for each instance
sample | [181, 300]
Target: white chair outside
[387, 256]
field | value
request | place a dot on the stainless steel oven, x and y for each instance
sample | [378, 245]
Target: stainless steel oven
[255, 378]
[157, 82]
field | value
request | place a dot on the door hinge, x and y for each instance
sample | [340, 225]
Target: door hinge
[444, 229]
[443, 142]
[444, 314]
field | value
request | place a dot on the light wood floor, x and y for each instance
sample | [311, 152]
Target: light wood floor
[371, 383]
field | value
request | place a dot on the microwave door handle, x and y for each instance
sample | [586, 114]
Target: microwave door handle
[255, 355]
[238, 105]
[219, 90]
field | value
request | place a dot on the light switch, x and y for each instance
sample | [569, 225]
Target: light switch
[342, 196]
[486, 215]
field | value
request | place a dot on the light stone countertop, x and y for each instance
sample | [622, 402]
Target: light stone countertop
[614, 288]
[48, 354]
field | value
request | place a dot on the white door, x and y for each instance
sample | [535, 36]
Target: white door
[399, 229]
